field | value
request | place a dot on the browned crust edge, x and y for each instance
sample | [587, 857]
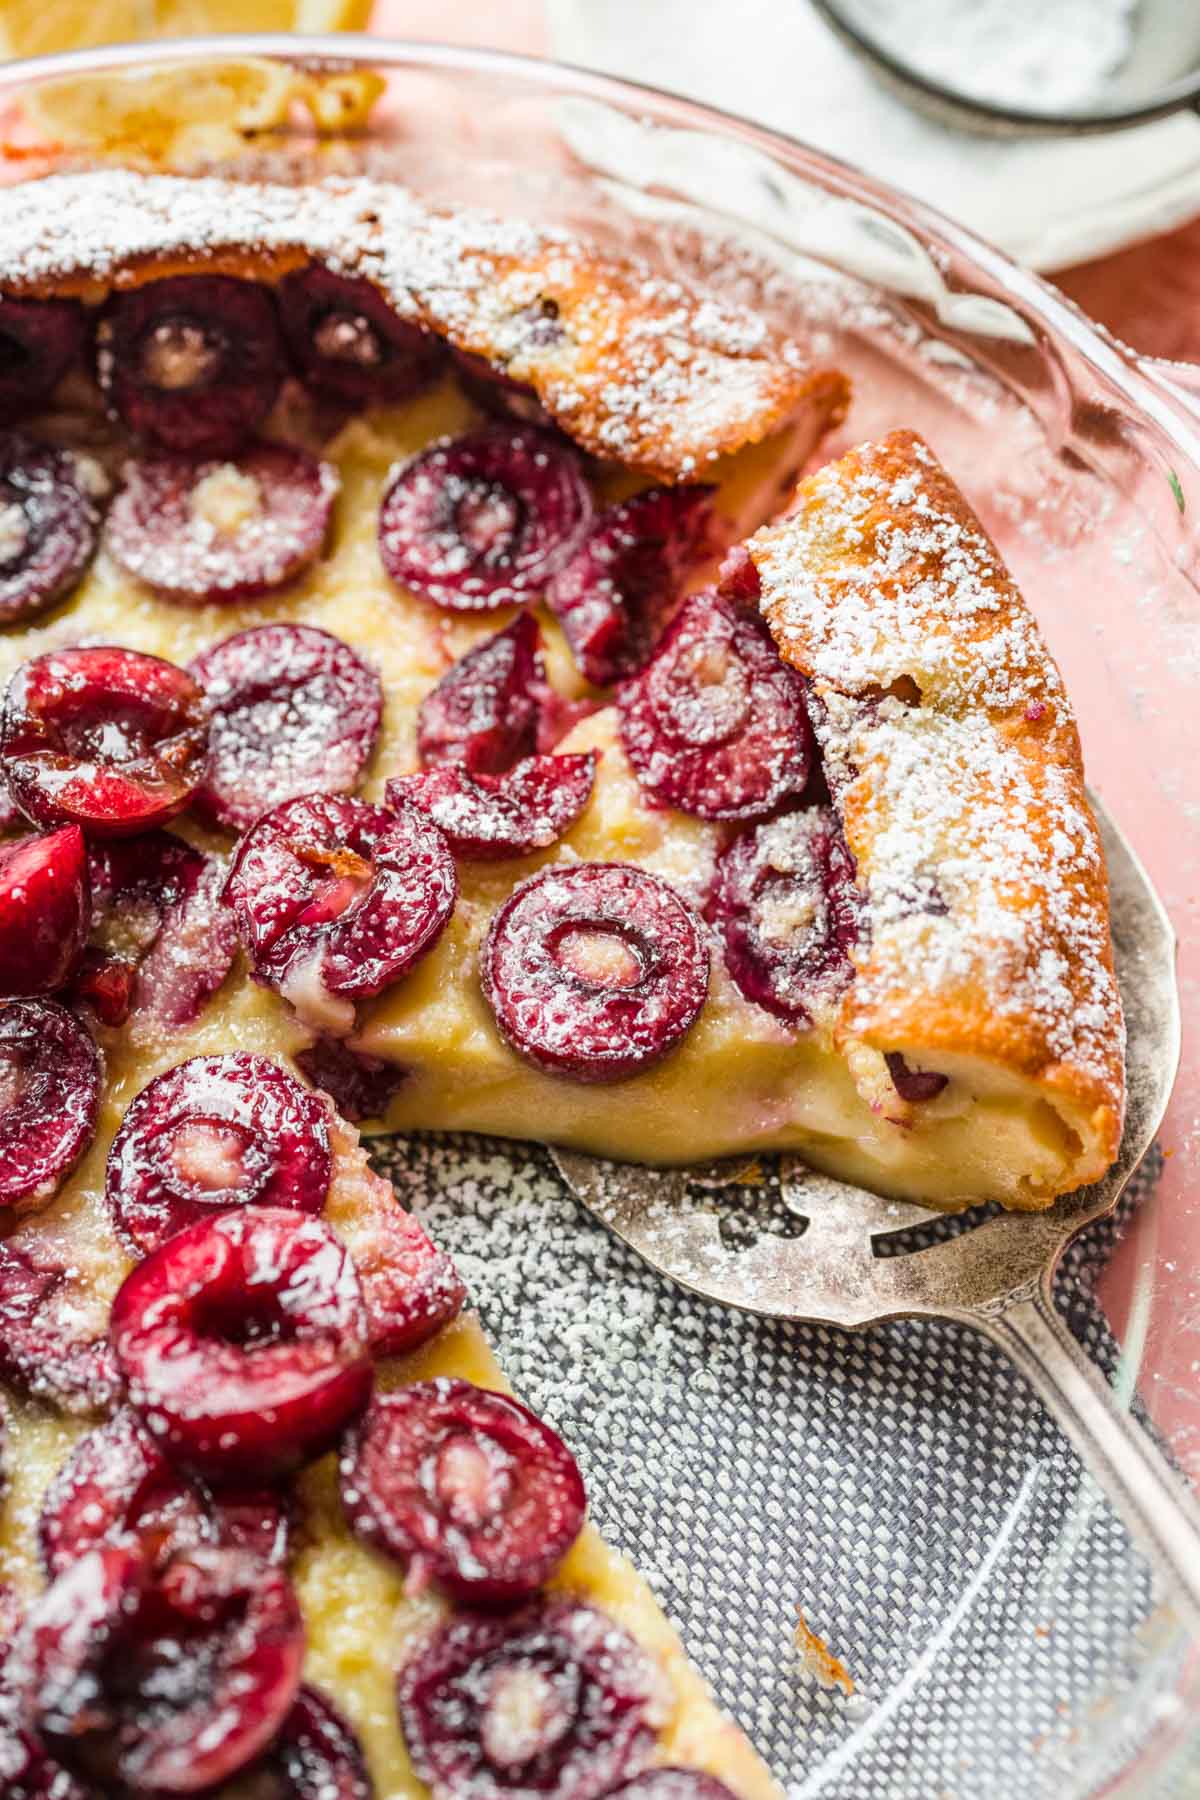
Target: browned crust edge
[644, 369]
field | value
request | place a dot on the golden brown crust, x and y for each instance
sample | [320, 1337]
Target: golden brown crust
[638, 368]
[954, 758]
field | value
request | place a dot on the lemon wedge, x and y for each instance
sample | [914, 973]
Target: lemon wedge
[42, 27]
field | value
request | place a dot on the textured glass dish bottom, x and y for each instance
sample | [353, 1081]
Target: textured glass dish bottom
[901, 1487]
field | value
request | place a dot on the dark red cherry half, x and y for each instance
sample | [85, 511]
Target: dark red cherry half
[411, 1288]
[498, 393]
[46, 1347]
[45, 910]
[613, 597]
[49, 524]
[785, 903]
[715, 724]
[485, 710]
[200, 531]
[160, 1680]
[26, 1772]
[913, 1085]
[243, 1341]
[673, 1784]
[738, 578]
[464, 1487]
[555, 1699]
[487, 817]
[193, 362]
[348, 343]
[335, 900]
[360, 1086]
[103, 738]
[316, 1756]
[211, 1133]
[292, 710]
[39, 340]
[161, 941]
[49, 1100]
[595, 970]
[118, 1487]
[484, 520]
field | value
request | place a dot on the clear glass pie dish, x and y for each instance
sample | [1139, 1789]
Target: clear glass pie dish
[1004, 1637]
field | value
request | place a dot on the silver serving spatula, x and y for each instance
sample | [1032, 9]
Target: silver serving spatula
[996, 1276]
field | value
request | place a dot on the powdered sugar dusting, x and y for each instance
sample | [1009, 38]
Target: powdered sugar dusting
[952, 753]
[641, 368]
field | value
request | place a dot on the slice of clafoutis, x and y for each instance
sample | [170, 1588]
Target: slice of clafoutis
[971, 1048]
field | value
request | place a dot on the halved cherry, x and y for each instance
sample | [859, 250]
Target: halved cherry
[785, 903]
[160, 1680]
[243, 1341]
[913, 1085]
[411, 1288]
[161, 941]
[292, 710]
[316, 1756]
[103, 738]
[118, 1487]
[613, 596]
[347, 341]
[193, 362]
[484, 520]
[335, 900]
[47, 1346]
[496, 392]
[26, 1772]
[360, 1086]
[715, 724]
[738, 578]
[595, 970]
[39, 340]
[485, 710]
[556, 1699]
[673, 1784]
[198, 530]
[49, 524]
[464, 1487]
[486, 817]
[211, 1133]
[49, 1100]
[45, 909]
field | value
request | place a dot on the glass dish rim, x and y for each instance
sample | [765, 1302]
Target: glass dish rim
[1158, 392]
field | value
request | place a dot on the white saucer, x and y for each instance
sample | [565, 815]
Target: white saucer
[1049, 202]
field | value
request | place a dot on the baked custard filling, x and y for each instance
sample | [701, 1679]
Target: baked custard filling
[744, 1078]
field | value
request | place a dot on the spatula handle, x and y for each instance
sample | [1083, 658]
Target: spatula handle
[1161, 1513]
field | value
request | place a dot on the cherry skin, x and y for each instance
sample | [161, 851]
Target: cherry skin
[486, 709]
[212, 1133]
[160, 1679]
[192, 362]
[555, 1699]
[243, 1341]
[49, 1100]
[49, 525]
[465, 1487]
[103, 738]
[484, 520]
[45, 910]
[595, 970]
[292, 711]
